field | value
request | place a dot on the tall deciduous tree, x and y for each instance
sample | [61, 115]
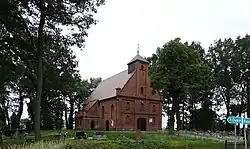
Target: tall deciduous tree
[30, 23]
[221, 55]
[178, 70]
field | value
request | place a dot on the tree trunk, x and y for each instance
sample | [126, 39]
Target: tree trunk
[227, 115]
[46, 114]
[242, 107]
[171, 120]
[2, 119]
[39, 72]
[38, 98]
[192, 117]
[248, 101]
[227, 102]
[65, 115]
[178, 117]
[178, 120]
[6, 113]
[30, 106]
[183, 116]
[1, 140]
[71, 114]
[20, 109]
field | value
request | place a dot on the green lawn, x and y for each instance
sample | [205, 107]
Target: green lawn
[118, 140]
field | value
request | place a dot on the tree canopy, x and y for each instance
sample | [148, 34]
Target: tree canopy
[36, 40]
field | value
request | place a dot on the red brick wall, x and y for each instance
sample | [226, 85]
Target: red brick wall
[124, 116]
[131, 110]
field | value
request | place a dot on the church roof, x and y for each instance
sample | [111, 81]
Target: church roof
[138, 58]
[107, 88]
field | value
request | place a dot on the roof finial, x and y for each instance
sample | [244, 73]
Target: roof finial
[138, 46]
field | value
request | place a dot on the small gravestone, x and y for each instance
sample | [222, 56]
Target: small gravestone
[23, 135]
[99, 135]
[65, 135]
[138, 134]
[16, 134]
[81, 135]
[58, 135]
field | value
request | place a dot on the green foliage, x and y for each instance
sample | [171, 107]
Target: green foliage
[181, 72]
[152, 142]
[149, 141]
[32, 36]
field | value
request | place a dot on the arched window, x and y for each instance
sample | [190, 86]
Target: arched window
[102, 111]
[112, 111]
[142, 90]
[142, 67]
[127, 106]
[142, 107]
[154, 109]
[153, 120]
[127, 119]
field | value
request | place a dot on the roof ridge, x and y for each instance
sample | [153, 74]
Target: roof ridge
[138, 58]
[99, 88]
[113, 76]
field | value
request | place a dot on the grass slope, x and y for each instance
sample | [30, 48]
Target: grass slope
[118, 140]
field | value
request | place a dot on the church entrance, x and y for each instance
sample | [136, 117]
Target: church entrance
[92, 124]
[141, 124]
[107, 125]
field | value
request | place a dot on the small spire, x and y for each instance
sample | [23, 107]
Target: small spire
[138, 47]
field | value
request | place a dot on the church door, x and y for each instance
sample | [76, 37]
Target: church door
[92, 125]
[107, 125]
[141, 124]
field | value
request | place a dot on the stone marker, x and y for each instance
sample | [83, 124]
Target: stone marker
[16, 134]
[138, 134]
[99, 135]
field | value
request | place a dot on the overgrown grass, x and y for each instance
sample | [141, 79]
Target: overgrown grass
[118, 140]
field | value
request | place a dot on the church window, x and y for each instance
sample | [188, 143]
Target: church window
[153, 120]
[142, 90]
[142, 107]
[127, 119]
[127, 106]
[142, 67]
[112, 111]
[102, 111]
[154, 109]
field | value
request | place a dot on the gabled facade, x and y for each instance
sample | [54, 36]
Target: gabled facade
[124, 101]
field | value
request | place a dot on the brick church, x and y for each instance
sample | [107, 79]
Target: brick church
[124, 101]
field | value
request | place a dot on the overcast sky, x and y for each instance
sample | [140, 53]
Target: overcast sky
[124, 23]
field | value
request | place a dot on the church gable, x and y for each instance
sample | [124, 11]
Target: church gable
[130, 88]
[93, 111]
[139, 86]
